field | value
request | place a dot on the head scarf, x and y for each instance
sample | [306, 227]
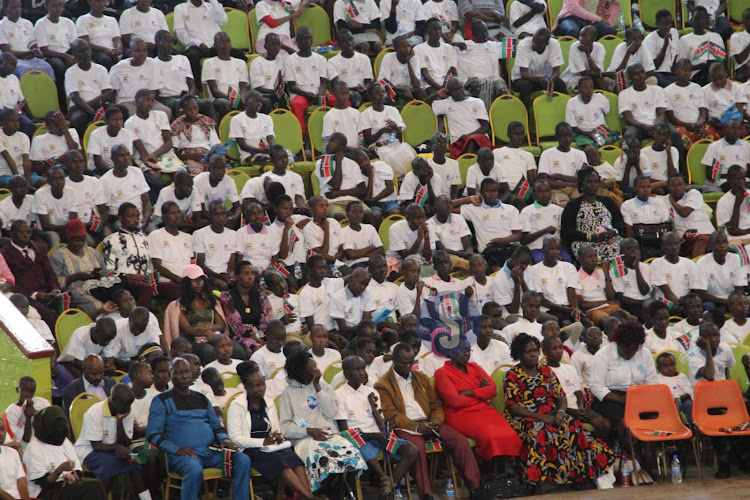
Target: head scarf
[51, 426]
[74, 228]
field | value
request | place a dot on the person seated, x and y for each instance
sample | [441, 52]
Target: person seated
[412, 290]
[633, 287]
[489, 353]
[531, 303]
[419, 415]
[141, 21]
[104, 443]
[315, 297]
[14, 158]
[215, 246]
[689, 120]
[257, 242]
[363, 21]
[323, 355]
[292, 181]
[188, 434]
[306, 78]
[717, 18]
[54, 35]
[153, 136]
[671, 273]
[587, 114]
[361, 241]
[194, 135]
[87, 339]
[692, 308]
[570, 382]
[447, 12]
[467, 118]
[292, 250]
[225, 75]
[691, 46]
[123, 173]
[14, 482]
[253, 131]
[217, 394]
[711, 361]
[102, 33]
[412, 236]
[270, 358]
[692, 224]
[442, 281]
[285, 307]
[20, 415]
[738, 49]
[253, 424]
[17, 205]
[452, 232]
[276, 19]
[132, 333]
[13, 97]
[51, 463]
[364, 348]
[401, 71]
[141, 383]
[582, 359]
[341, 180]
[663, 46]
[322, 234]
[629, 165]
[722, 154]
[103, 140]
[539, 220]
[133, 74]
[526, 18]
[678, 383]
[718, 274]
[596, 295]
[537, 66]
[32, 273]
[382, 129]
[631, 51]
[435, 59]
[555, 281]
[92, 380]
[351, 68]
[18, 38]
[266, 72]
[722, 94]
[181, 193]
[514, 163]
[660, 337]
[216, 185]
[486, 167]
[561, 165]
[731, 214]
[48, 149]
[319, 440]
[585, 58]
[88, 86]
[445, 168]
[420, 186]
[196, 23]
[643, 210]
[171, 249]
[342, 118]
[54, 206]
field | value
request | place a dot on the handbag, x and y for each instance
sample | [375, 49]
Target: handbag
[505, 486]
[650, 235]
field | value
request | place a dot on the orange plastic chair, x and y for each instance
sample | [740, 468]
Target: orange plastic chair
[719, 394]
[667, 425]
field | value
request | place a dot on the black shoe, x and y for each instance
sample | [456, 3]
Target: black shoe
[724, 471]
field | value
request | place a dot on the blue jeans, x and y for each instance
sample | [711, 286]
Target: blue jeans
[572, 26]
[191, 470]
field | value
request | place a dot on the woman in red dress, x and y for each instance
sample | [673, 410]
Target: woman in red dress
[466, 390]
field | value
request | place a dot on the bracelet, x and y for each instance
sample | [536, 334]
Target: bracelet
[561, 411]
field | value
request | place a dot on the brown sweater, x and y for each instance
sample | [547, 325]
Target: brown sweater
[392, 401]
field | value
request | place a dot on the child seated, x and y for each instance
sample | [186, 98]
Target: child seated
[218, 395]
[411, 290]
[13, 480]
[489, 353]
[285, 307]
[660, 337]
[531, 303]
[678, 383]
[737, 325]
[20, 414]
[223, 362]
[323, 355]
[269, 357]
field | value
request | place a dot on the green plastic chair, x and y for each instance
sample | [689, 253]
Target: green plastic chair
[610, 43]
[421, 123]
[734, 11]
[178, 46]
[252, 21]
[4, 193]
[385, 227]
[331, 371]
[610, 153]
[231, 379]
[67, 323]
[239, 177]
[288, 131]
[498, 377]
[697, 171]
[379, 59]
[315, 130]
[464, 162]
[40, 92]
[553, 10]
[613, 120]
[648, 10]
[565, 43]
[315, 18]
[547, 114]
[737, 372]
[234, 150]
[237, 28]
[680, 360]
[78, 407]
[505, 109]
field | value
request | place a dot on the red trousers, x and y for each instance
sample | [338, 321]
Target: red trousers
[462, 454]
[142, 292]
[299, 105]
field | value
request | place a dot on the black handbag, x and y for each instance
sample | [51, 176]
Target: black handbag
[505, 486]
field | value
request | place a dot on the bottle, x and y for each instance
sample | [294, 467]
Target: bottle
[262, 283]
[638, 24]
[599, 139]
[450, 492]
[625, 473]
[621, 21]
[392, 139]
[676, 470]
[711, 17]
[297, 271]
[335, 271]
[397, 495]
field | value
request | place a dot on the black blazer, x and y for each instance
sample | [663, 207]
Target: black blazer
[77, 387]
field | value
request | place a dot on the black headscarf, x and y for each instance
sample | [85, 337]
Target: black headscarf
[51, 426]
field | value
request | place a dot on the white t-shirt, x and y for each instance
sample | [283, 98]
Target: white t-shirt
[57, 209]
[101, 30]
[651, 211]
[627, 285]
[464, 117]
[497, 353]
[368, 11]
[723, 360]
[367, 236]
[41, 459]
[276, 10]
[306, 72]
[353, 71]
[449, 174]
[264, 73]
[277, 306]
[656, 344]
[522, 325]
[570, 382]
[578, 62]
[643, 104]
[9, 212]
[80, 345]
[217, 247]
[554, 161]
[88, 84]
[268, 361]
[355, 408]
[19, 34]
[260, 247]
[407, 13]
[345, 305]
[175, 252]
[292, 182]
[16, 145]
[676, 276]
[492, 222]
[724, 210]
[587, 116]
[375, 120]
[46, 146]
[537, 64]
[514, 163]
[101, 144]
[411, 188]
[685, 102]
[226, 189]
[10, 91]
[313, 236]
[689, 46]
[436, 60]
[381, 296]
[582, 361]
[252, 130]
[196, 25]
[126, 345]
[679, 384]
[718, 101]
[345, 121]
[316, 302]
[119, 190]
[716, 279]
[518, 10]
[57, 36]
[99, 425]
[231, 367]
[643, 57]
[554, 282]
[475, 176]
[654, 43]
[187, 205]
[698, 218]
[143, 25]
[128, 79]
[447, 12]
[17, 420]
[405, 299]
[536, 217]
[396, 72]
[329, 357]
[10, 462]
[351, 177]
[383, 172]
[149, 130]
[402, 237]
[226, 74]
[451, 231]
[174, 74]
[737, 43]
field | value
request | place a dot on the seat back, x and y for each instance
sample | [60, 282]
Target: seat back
[696, 169]
[610, 153]
[610, 43]
[67, 323]
[553, 10]
[498, 376]
[505, 109]
[78, 407]
[735, 8]
[548, 113]
[89, 130]
[331, 371]
[465, 161]
[651, 399]
[4, 193]
[737, 372]
[718, 394]
[680, 361]
[178, 46]
[231, 379]
[378, 60]
[315, 130]
[229, 402]
[385, 227]
[252, 21]
[239, 177]
[648, 10]
[315, 18]
[237, 28]
[234, 150]
[613, 120]
[565, 43]
[421, 123]
[40, 92]
[287, 130]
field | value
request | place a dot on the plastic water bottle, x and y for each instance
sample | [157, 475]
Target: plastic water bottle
[621, 21]
[711, 17]
[262, 283]
[392, 139]
[676, 471]
[450, 492]
[335, 271]
[397, 495]
[297, 271]
[599, 139]
[625, 473]
[638, 24]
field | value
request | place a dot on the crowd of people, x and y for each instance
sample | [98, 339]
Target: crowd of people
[571, 278]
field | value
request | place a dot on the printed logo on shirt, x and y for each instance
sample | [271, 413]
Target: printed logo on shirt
[312, 402]
[211, 246]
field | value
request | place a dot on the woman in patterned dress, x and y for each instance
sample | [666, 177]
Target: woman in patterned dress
[592, 219]
[556, 449]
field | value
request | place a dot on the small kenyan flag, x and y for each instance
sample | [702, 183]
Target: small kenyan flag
[508, 48]
[293, 239]
[99, 115]
[433, 444]
[623, 81]
[288, 7]
[51, 162]
[669, 303]
[670, 216]
[690, 233]
[153, 281]
[226, 466]
[281, 268]
[266, 219]
[577, 314]
[64, 304]
[234, 98]
[684, 341]
[420, 197]
[351, 12]
[288, 307]
[603, 131]
[361, 139]
[388, 87]
[96, 224]
[327, 166]
[19, 106]
[279, 85]
[618, 266]
[354, 437]
[717, 168]
[656, 433]
[393, 443]
[742, 252]
[523, 189]
[432, 291]
[263, 143]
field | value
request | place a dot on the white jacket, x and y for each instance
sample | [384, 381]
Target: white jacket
[239, 423]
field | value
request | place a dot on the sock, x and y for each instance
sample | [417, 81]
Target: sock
[144, 495]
